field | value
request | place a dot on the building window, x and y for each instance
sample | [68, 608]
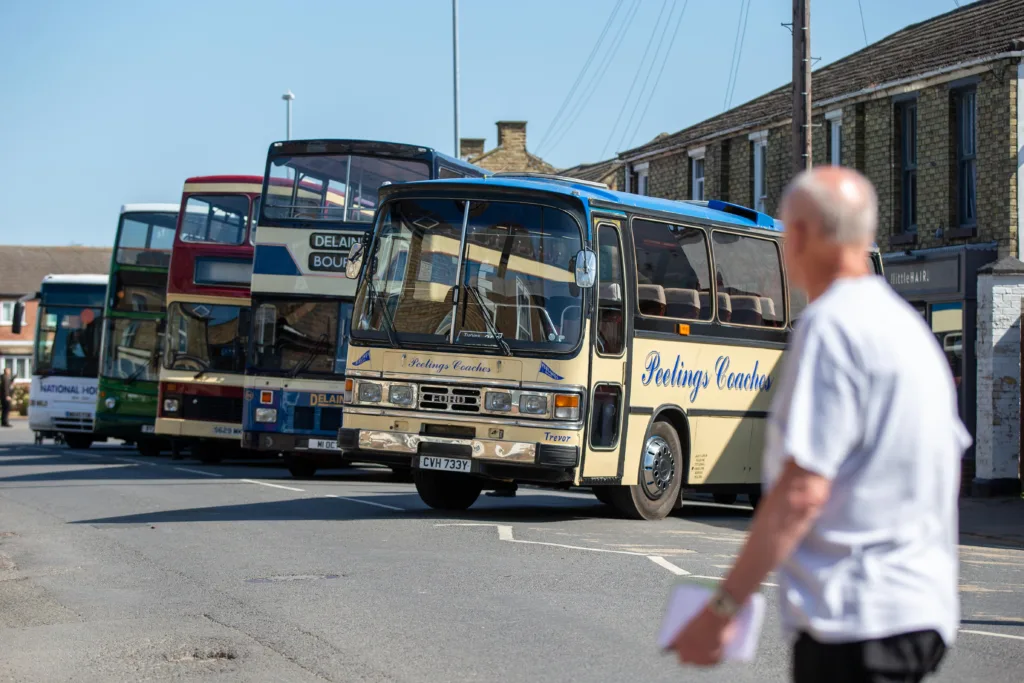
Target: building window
[21, 367]
[759, 149]
[7, 313]
[966, 156]
[908, 175]
[835, 137]
[697, 177]
[640, 179]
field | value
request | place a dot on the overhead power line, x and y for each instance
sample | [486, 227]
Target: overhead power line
[579, 78]
[650, 68]
[863, 27]
[591, 86]
[737, 53]
[661, 70]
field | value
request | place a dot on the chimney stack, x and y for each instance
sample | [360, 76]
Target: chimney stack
[470, 148]
[512, 135]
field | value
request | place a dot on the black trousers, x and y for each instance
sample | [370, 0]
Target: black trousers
[905, 658]
[5, 412]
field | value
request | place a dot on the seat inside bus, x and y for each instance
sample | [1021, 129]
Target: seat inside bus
[768, 312]
[724, 307]
[651, 299]
[682, 303]
[746, 310]
[609, 320]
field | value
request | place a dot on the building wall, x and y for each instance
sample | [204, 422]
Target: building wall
[19, 345]
[997, 443]
[871, 144]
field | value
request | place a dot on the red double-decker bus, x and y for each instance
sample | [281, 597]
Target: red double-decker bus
[207, 328]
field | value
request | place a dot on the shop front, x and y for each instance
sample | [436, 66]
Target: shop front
[942, 284]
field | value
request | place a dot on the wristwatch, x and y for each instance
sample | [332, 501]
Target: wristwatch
[723, 605]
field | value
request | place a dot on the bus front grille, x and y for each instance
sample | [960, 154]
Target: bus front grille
[450, 399]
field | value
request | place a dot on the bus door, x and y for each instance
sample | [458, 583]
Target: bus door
[608, 356]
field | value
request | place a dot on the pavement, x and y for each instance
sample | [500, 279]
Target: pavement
[117, 567]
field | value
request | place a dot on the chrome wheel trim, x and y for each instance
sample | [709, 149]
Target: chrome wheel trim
[658, 467]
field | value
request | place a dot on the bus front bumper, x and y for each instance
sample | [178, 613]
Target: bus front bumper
[488, 457]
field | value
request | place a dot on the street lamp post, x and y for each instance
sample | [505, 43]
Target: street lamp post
[288, 97]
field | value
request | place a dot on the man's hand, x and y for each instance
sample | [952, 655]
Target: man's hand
[703, 640]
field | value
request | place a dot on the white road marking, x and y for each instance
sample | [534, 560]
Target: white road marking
[365, 502]
[275, 486]
[662, 562]
[135, 462]
[205, 474]
[991, 633]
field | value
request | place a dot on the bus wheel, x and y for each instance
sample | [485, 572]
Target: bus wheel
[208, 453]
[603, 494]
[78, 440]
[754, 498]
[661, 469]
[149, 447]
[446, 490]
[301, 469]
[403, 474]
[724, 498]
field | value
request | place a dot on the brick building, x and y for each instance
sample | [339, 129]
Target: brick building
[611, 172]
[933, 115]
[21, 271]
[510, 155]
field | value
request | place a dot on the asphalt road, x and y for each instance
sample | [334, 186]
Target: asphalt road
[114, 567]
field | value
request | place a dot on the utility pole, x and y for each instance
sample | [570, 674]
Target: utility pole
[455, 67]
[801, 85]
[288, 97]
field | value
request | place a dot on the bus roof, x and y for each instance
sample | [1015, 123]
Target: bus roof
[596, 194]
[233, 179]
[133, 208]
[368, 147]
[76, 280]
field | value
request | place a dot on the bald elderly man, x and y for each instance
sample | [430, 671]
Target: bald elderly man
[861, 465]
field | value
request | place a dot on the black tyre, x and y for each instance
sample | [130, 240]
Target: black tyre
[603, 494]
[724, 498]
[78, 440]
[149, 447]
[301, 469]
[209, 452]
[446, 490]
[657, 490]
[754, 498]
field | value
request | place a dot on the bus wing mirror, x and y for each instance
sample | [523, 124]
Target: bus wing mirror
[355, 260]
[586, 268]
[19, 313]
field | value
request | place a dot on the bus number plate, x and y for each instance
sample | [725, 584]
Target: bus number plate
[323, 445]
[430, 462]
[148, 429]
[81, 416]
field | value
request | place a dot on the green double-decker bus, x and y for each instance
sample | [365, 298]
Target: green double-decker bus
[133, 318]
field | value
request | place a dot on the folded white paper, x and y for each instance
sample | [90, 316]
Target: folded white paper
[686, 602]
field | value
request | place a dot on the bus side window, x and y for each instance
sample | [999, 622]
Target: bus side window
[749, 273]
[672, 271]
[611, 323]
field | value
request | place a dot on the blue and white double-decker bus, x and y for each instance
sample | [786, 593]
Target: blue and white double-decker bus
[319, 198]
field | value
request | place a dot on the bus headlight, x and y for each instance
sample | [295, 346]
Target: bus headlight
[172, 405]
[266, 414]
[533, 404]
[369, 392]
[110, 403]
[567, 406]
[400, 394]
[498, 401]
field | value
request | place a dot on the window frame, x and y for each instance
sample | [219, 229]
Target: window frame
[620, 415]
[698, 156]
[785, 324]
[835, 137]
[636, 271]
[641, 171]
[759, 170]
[908, 169]
[966, 159]
[626, 311]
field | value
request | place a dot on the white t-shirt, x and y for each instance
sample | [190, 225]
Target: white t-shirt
[867, 400]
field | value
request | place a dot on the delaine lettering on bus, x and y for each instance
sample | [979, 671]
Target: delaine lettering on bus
[326, 399]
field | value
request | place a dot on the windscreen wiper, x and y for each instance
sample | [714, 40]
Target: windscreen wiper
[389, 324]
[492, 329]
[319, 347]
[135, 375]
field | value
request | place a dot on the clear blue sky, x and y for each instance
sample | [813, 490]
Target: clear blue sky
[108, 102]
